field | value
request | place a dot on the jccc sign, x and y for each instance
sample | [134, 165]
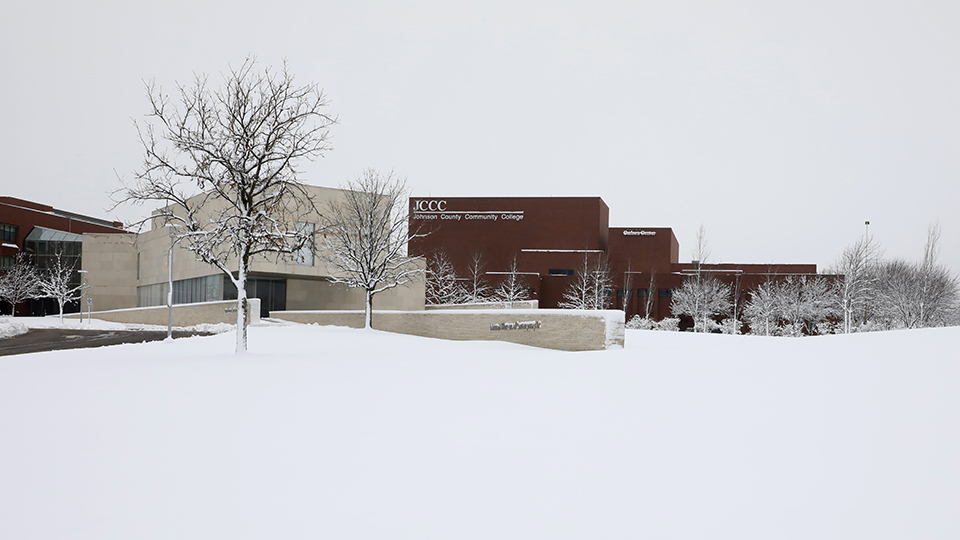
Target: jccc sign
[429, 205]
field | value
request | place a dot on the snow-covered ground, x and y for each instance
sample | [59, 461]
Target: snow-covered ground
[327, 432]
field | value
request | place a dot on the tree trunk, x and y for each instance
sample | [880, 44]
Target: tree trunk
[368, 311]
[242, 308]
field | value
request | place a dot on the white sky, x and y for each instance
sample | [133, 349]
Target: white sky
[780, 128]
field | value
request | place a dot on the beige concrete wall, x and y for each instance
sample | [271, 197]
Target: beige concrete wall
[526, 304]
[156, 242]
[305, 294]
[307, 286]
[110, 261]
[183, 314]
[565, 330]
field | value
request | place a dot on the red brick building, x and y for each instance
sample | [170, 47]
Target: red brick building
[550, 236]
[38, 231]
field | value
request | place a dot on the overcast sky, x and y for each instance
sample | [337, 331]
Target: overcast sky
[779, 126]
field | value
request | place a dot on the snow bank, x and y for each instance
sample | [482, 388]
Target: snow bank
[324, 432]
[10, 328]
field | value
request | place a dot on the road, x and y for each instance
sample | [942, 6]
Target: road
[54, 339]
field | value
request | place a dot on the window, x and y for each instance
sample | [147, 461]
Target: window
[185, 291]
[560, 272]
[305, 255]
[643, 293]
[8, 233]
[7, 263]
[665, 293]
[624, 292]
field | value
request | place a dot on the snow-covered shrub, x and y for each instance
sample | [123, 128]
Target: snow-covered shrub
[731, 326]
[645, 323]
[827, 327]
[790, 330]
[641, 323]
[670, 324]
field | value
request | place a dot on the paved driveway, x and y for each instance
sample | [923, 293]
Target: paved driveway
[54, 339]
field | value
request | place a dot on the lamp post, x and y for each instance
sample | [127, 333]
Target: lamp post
[866, 226]
[83, 290]
[173, 237]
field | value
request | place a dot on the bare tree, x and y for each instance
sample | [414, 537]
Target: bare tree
[805, 301]
[898, 284]
[240, 146]
[762, 311]
[858, 290]
[701, 298]
[441, 283]
[512, 288]
[477, 289]
[651, 287]
[937, 288]
[59, 282]
[20, 282]
[366, 235]
[592, 286]
[627, 295]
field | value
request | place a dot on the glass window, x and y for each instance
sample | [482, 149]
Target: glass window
[560, 272]
[8, 233]
[305, 255]
[185, 291]
[643, 293]
[665, 293]
[7, 262]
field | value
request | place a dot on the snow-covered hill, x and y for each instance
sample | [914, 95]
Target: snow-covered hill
[349, 434]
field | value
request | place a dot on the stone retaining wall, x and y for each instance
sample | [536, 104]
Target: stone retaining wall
[183, 314]
[561, 329]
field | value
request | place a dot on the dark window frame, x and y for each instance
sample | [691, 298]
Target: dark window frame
[8, 232]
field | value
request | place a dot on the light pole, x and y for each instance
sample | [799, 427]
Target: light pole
[866, 226]
[173, 237]
[83, 289]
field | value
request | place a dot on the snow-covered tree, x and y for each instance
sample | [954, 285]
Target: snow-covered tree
[938, 290]
[58, 282]
[366, 235]
[441, 283]
[648, 301]
[20, 282]
[701, 298]
[916, 295]
[805, 301]
[239, 146]
[513, 287]
[591, 287]
[762, 310]
[476, 288]
[858, 289]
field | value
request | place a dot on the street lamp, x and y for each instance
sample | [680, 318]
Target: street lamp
[173, 237]
[83, 289]
[866, 225]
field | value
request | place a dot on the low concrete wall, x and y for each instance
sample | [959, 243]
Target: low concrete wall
[526, 304]
[183, 314]
[562, 329]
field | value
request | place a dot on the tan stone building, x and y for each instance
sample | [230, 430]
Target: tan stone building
[131, 270]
